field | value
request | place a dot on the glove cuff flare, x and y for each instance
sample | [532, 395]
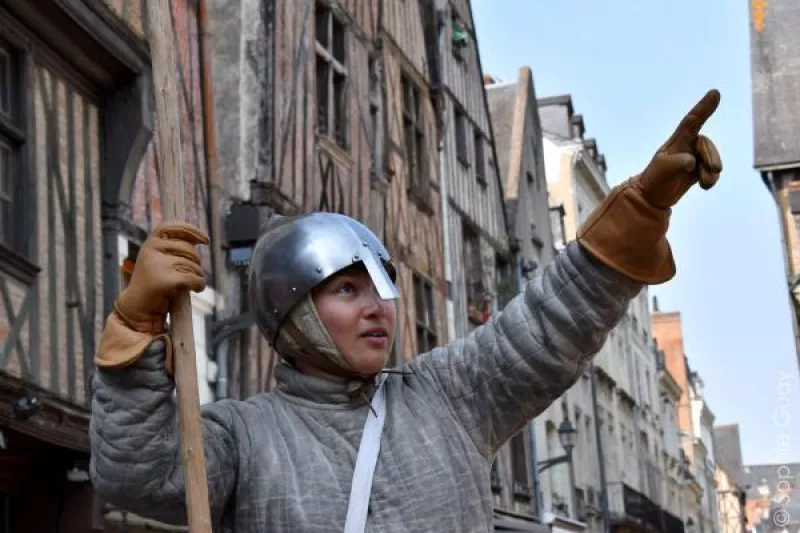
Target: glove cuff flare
[628, 234]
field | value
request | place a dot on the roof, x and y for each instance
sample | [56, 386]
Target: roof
[510, 106]
[782, 481]
[728, 450]
[556, 113]
[502, 108]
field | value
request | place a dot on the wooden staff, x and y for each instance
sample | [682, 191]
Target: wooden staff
[168, 151]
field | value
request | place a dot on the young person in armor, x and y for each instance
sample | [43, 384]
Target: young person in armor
[344, 444]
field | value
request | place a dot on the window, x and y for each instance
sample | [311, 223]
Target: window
[12, 139]
[331, 75]
[506, 283]
[427, 338]
[480, 162]
[413, 134]
[461, 137]
[557, 227]
[519, 464]
[495, 477]
[6, 194]
[475, 289]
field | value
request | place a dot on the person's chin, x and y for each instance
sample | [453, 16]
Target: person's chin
[371, 363]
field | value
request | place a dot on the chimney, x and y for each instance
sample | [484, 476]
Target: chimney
[655, 304]
[488, 79]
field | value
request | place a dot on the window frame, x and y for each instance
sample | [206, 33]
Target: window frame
[479, 153]
[520, 473]
[427, 332]
[13, 136]
[474, 279]
[461, 122]
[411, 98]
[336, 82]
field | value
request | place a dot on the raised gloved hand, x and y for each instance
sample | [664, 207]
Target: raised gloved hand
[627, 231]
[167, 263]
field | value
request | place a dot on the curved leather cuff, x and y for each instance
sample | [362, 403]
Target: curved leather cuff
[628, 234]
[121, 346]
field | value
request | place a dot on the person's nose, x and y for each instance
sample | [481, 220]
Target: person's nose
[373, 304]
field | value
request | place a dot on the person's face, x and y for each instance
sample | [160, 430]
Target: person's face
[360, 324]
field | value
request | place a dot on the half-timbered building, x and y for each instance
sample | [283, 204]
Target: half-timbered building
[327, 106]
[79, 192]
[478, 259]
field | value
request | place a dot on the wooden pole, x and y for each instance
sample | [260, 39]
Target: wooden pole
[168, 151]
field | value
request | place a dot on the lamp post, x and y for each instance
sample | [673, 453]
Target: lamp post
[567, 436]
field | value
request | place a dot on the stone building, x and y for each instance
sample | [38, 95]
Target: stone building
[775, 76]
[622, 406]
[518, 138]
[697, 472]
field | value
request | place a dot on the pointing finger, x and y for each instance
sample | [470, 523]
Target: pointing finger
[665, 166]
[694, 120]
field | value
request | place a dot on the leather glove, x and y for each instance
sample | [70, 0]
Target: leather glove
[627, 231]
[167, 263]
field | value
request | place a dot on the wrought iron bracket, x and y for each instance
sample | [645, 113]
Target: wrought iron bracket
[547, 463]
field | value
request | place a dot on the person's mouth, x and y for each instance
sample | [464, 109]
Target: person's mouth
[377, 337]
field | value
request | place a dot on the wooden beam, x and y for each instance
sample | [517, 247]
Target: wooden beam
[168, 152]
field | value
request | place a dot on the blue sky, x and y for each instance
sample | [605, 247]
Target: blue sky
[633, 70]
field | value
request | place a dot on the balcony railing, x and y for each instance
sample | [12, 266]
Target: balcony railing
[627, 504]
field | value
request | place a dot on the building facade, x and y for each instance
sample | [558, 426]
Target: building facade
[695, 433]
[79, 192]
[478, 258]
[775, 75]
[669, 395]
[621, 406]
[329, 106]
[702, 454]
[731, 488]
[518, 138]
[731, 502]
[576, 183]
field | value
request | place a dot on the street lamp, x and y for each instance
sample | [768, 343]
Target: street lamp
[568, 436]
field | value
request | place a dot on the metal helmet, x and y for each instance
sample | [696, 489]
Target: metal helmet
[297, 253]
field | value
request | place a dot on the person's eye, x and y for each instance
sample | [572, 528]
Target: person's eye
[346, 288]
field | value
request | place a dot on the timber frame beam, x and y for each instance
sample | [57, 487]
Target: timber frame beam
[55, 420]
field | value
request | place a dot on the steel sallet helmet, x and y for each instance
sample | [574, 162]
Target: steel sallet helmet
[295, 254]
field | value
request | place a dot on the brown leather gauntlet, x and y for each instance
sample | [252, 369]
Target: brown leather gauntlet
[627, 231]
[167, 263]
[121, 346]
